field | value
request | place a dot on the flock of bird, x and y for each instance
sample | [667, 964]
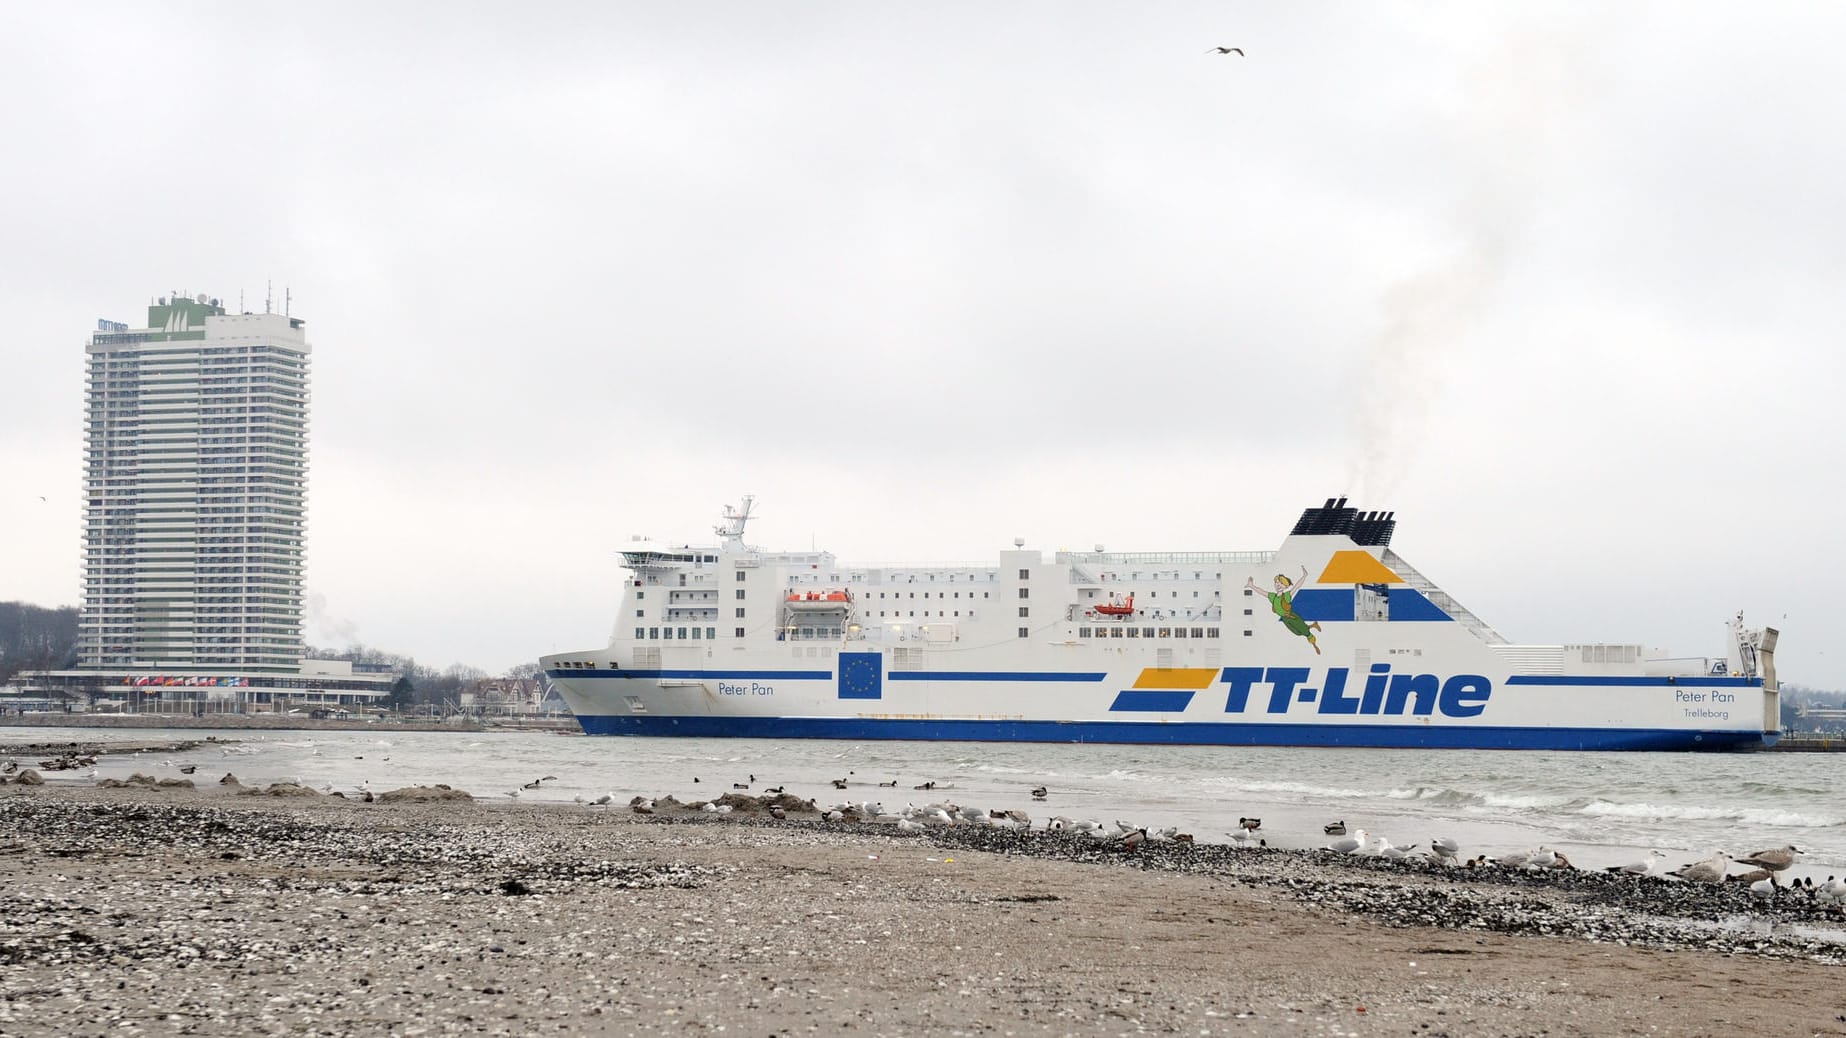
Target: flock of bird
[1764, 879]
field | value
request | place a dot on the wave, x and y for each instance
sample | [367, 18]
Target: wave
[1000, 769]
[1303, 789]
[1692, 813]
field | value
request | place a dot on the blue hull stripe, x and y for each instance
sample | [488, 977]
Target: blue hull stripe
[1187, 733]
[1150, 701]
[701, 675]
[988, 675]
[1588, 679]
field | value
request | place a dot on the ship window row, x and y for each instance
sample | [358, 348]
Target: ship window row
[1148, 632]
[899, 612]
[945, 594]
[685, 633]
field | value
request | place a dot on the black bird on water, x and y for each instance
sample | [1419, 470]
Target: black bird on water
[1226, 50]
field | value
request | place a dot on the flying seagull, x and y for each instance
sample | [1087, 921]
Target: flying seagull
[1226, 50]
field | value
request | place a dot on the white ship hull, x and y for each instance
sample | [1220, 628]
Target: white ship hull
[1331, 641]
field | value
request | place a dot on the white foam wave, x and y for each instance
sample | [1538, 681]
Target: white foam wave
[1001, 769]
[1415, 793]
[1303, 789]
[1689, 812]
[1524, 801]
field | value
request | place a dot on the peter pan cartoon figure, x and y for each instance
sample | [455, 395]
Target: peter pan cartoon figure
[1283, 602]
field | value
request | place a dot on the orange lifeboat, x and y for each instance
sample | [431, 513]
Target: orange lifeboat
[1114, 608]
[819, 599]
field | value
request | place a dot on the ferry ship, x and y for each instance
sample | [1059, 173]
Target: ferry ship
[1332, 639]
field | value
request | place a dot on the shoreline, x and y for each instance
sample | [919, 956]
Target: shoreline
[219, 913]
[275, 722]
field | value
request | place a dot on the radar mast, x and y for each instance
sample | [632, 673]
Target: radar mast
[732, 529]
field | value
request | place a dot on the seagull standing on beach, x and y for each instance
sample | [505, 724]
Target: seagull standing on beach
[1711, 870]
[1349, 844]
[1776, 860]
[1833, 890]
[1648, 866]
[1445, 849]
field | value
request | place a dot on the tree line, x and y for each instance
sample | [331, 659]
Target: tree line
[35, 638]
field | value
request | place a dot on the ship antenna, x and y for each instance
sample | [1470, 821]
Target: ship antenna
[732, 529]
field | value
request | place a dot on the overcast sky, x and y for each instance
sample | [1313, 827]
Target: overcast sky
[1559, 284]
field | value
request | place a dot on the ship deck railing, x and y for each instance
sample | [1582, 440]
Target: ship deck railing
[1166, 558]
[1442, 599]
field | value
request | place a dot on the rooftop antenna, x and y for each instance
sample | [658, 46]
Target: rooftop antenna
[240, 302]
[269, 297]
[288, 297]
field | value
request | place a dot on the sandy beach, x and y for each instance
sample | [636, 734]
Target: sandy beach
[202, 911]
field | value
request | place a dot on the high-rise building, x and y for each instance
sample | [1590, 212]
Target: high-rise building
[195, 486]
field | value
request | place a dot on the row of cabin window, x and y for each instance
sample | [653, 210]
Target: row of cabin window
[666, 633]
[1147, 632]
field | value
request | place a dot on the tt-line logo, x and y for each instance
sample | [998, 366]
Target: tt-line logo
[1384, 693]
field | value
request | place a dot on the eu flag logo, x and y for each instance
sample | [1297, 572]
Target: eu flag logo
[862, 675]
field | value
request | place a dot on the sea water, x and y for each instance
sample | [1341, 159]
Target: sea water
[1599, 808]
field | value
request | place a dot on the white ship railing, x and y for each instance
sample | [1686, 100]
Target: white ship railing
[1443, 600]
[1166, 558]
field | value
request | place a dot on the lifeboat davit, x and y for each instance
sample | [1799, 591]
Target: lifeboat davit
[1114, 608]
